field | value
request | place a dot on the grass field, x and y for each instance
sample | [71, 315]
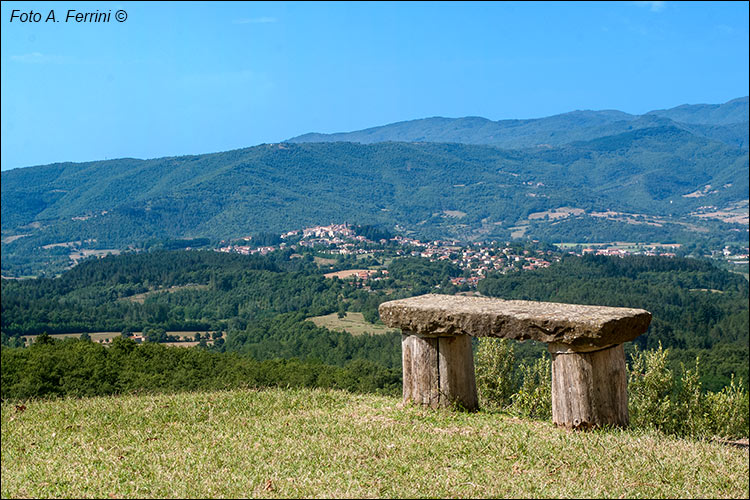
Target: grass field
[321, 261]
[353, 322]
[314, 443]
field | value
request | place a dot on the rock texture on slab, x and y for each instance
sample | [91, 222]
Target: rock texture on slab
[571, 324]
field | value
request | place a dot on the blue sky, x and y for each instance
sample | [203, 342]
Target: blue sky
[189, 78]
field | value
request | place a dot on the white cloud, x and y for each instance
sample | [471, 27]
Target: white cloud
[255, 20]
[655, 6]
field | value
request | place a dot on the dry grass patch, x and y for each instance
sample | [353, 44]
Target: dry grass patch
[348, 273]
[11, 239]
[141, 297]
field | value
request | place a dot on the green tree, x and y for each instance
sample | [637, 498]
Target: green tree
[155, 335]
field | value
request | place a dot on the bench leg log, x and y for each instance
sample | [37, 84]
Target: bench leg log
[589, 389]
[439, 371]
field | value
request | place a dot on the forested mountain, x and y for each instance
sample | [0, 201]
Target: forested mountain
[726, 122]
[281, 187]
[653, 181]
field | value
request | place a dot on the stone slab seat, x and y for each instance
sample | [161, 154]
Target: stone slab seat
[589, 381]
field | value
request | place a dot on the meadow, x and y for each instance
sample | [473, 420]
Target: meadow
[352, 322]
[286, 443]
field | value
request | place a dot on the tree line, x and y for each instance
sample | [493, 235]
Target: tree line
[75, 367]
[262, 303]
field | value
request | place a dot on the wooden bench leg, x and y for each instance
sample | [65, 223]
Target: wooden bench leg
[589, 389]
[439, 371]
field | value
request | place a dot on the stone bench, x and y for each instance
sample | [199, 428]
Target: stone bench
[589, 380]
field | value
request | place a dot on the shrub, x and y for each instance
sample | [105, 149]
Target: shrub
[534, 398]
[689, 409]
[495, 373]
[728, 411]
[524, 390]
[684, 409]
[650, 384]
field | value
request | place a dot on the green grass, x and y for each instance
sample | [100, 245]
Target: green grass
[353, 323]
[315, 443]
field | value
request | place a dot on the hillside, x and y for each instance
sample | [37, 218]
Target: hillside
[726, 122]
[313, 443]
[652, 184]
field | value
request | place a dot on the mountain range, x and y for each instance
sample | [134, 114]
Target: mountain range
[583, 176]
[726, 122]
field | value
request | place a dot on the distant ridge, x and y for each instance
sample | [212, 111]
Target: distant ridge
[731, 112]
[726, 122]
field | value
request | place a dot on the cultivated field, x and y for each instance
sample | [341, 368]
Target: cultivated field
[353, 322]
[108, 336]
[557, 213]
[348, 273]
[95, 336]
[280, 443]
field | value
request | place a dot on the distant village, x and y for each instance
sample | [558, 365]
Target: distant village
[478, 259]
